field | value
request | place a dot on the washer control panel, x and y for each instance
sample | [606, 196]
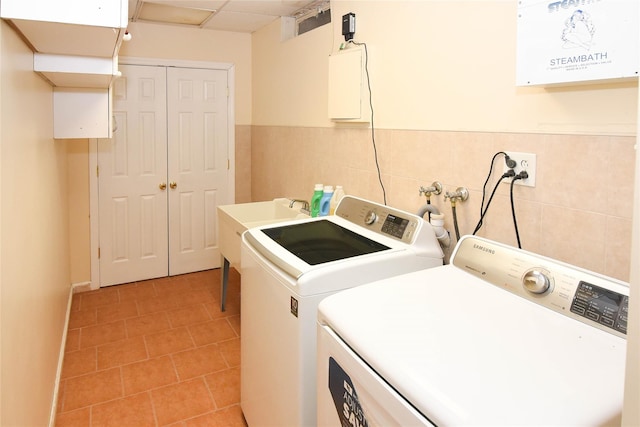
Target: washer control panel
[381, 219]
[583, 295]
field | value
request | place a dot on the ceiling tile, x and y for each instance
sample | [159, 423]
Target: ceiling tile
[231, 15]
[240, 22]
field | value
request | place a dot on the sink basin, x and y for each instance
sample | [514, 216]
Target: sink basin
[235, 219]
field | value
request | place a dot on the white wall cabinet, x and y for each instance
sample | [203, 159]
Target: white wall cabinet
[75, 44]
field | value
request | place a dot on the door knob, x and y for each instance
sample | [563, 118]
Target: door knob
[173, 185]
[162, 186]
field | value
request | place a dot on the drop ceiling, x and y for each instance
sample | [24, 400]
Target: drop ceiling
[244, 16]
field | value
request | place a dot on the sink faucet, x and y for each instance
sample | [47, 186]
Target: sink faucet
[305, 204]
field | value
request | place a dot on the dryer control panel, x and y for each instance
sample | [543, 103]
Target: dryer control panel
[589, 297]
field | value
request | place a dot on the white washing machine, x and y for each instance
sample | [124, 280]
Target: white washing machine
[287, 269]
[500, 337]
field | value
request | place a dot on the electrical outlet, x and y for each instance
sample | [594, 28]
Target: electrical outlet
[524, 162]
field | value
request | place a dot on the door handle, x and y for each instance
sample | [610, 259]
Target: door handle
[162, 186]
[173, 185]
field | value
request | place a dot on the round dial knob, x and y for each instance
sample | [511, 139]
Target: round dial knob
[536, 281]
[370, 217]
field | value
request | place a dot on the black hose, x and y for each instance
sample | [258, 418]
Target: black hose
[455, 221]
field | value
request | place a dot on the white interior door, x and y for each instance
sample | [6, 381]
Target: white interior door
[132, 168]
[198, 165]
[163, 174]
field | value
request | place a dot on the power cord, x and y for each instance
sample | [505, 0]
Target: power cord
[521, 175]
[510, 164]
[510, 173]
[373, 133]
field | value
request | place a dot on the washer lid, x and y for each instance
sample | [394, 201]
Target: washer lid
[349, 241]
[317, 242]
[464, 352]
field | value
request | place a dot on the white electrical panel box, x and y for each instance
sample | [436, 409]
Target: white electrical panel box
[347, 94]
[576, 41]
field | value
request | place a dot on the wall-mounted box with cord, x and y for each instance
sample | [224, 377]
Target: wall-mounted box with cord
[348, 95]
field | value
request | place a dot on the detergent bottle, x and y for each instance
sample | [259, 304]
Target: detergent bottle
[325, 202]
[315, 200]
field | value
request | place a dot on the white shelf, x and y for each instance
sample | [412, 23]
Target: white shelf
[75, 44]
[76, 71]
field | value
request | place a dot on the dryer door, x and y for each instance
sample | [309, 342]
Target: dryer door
[351, 393]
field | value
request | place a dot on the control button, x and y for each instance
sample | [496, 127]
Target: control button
[536, 281]
[370, 217]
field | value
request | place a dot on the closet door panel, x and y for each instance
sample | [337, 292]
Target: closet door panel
[198, 168]
[132, 167]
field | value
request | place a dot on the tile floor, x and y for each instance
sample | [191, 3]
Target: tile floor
[153, 353]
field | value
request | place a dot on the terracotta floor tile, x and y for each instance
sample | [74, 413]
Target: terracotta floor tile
[232, 306]
[102, 296]
[172, 286]
[167, 342]
[181, 401]
[79, 362]
[225, 387]
[121, 352]
[205, 278]
[213, 307]
[73, 341]
[136, 291]
[148, 374]
[211, 332]
[192, 297]
[148, 324]
[90, 389]
[102, 334]
[75, 302]
[234, 321]
[227, 417]
[60, 402]
[78, 418]
[207, 283]
[188, 315]
[154, 305]
[81, 318]
[124, 365]
[133, 410]
[117, 311]
[231, 351]
[198, 361]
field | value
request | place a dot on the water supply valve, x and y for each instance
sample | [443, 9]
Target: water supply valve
[461, 194]
[436, 188]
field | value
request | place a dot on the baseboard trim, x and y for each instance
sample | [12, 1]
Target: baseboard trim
[75, 288]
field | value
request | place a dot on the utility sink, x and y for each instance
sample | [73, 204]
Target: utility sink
[233, 220]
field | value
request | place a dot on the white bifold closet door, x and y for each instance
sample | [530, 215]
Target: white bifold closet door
[163, 174]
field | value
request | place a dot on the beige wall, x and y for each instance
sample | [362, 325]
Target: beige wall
[445, 102]
[434, 65]
[79, 221]
[34, 237]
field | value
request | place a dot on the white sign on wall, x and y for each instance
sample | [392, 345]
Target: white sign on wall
[568, 41]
